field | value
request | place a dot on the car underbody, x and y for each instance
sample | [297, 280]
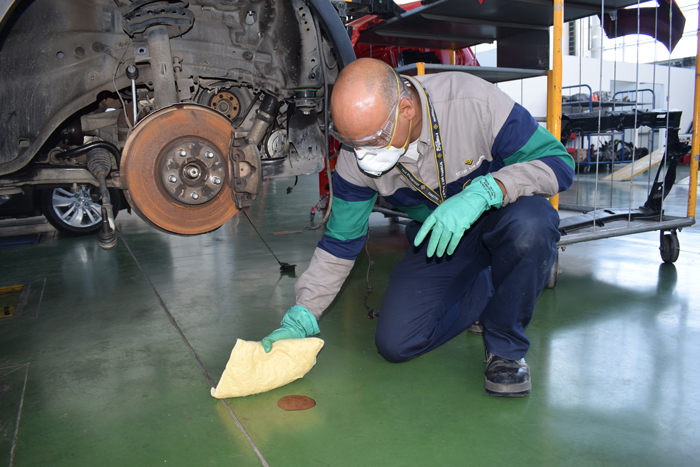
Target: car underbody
[185, 106]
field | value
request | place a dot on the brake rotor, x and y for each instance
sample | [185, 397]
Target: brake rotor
[174, 170]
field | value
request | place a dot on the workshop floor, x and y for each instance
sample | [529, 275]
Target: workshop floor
[97, 368]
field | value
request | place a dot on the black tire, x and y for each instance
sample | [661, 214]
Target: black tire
[670, 247]
[76, 214]
[552, 282]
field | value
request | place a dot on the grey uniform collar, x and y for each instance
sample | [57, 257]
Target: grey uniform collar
[424, 140]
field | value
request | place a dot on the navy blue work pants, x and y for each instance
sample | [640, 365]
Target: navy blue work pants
[431, 300]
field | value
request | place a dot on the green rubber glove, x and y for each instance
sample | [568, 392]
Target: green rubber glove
[455, 215]
[297, 323]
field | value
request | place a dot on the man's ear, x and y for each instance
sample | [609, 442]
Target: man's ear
[407, 109]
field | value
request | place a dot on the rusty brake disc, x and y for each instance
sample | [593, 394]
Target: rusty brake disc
[227, 103]
[174, 170]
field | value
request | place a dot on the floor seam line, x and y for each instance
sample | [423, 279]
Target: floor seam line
[41, 298]
[18, 367]
[250, 440]
[19, 416]
[172, 320]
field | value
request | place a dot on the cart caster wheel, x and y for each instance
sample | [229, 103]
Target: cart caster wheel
[670, 247]
[554, 274]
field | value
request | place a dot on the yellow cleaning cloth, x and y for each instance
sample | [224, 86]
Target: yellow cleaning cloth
[251, 371]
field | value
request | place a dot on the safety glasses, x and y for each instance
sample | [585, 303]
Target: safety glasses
[381, 138]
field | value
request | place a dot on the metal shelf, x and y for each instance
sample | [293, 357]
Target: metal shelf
[619, 228]
[455, 24]
[603, 104]
[490, 74]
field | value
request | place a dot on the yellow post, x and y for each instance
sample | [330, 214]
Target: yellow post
[550, 95]
[420, 68]
[695, 149]
[554, 81]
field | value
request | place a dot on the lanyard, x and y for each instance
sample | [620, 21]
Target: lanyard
[417, 183]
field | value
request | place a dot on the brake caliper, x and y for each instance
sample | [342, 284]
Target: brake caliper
[245, 173]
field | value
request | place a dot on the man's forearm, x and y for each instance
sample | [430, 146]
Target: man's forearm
[319, 284]
[503, 188]
[526, 179]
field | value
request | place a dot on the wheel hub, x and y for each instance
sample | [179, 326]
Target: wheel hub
[192, 171]
[227, 103]
[175, 171]
[83, 197]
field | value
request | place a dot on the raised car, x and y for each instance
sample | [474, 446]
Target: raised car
[182, 106]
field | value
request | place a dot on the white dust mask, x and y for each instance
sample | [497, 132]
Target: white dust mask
[377, 161]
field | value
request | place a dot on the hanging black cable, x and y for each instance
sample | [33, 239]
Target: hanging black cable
[371, 313]
[284, 267]
[290, 188]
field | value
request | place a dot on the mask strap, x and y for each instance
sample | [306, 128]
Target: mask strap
[408, 138]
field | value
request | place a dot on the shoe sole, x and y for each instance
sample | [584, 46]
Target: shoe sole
[508, 394]
[507, 390]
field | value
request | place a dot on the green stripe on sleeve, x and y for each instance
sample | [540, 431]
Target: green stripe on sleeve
[541, 144]
[349, 219]
[418, 213]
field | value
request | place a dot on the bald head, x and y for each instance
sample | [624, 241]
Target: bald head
[362, 96]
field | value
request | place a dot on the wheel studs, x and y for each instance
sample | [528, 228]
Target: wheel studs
[193, 172]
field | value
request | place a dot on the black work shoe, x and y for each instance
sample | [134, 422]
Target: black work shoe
[476, 328]
[506, 378]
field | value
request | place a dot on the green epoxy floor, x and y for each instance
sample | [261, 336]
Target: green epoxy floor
[103, 377]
